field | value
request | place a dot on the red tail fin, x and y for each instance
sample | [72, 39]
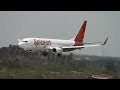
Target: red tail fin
[80, 36]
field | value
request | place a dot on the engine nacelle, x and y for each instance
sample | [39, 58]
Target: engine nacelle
[29, 50]
[57, 50]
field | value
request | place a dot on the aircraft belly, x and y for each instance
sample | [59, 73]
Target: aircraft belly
[41, 47]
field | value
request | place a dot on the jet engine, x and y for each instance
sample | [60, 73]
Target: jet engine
[57, 50]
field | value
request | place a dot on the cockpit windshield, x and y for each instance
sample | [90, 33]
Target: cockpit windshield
[24, 41]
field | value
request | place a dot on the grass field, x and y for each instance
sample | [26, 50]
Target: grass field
[50, 72]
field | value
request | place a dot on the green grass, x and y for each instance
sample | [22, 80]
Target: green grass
[51, 71]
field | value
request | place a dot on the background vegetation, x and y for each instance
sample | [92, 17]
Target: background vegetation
[15, 63]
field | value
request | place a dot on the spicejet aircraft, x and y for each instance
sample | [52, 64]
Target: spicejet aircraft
[58, 46]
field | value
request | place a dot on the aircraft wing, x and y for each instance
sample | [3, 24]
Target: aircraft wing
[84, 46]
[78, 47]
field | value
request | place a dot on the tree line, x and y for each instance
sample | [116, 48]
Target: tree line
[13, 57]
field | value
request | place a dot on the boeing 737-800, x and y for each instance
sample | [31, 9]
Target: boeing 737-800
[58, 46]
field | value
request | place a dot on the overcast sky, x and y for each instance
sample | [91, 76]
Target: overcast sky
[63, 25]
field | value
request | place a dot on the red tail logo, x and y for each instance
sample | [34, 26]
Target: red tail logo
[80, 36]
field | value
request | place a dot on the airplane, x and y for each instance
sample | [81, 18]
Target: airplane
[58, 46]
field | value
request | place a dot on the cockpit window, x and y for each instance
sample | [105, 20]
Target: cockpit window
[24, 41]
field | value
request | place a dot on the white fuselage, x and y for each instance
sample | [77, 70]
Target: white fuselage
[44, 43]
[58, 45]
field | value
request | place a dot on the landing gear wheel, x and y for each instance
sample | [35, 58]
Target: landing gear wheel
[45, 53]
[59, 54]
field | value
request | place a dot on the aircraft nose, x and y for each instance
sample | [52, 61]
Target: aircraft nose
[19, 44]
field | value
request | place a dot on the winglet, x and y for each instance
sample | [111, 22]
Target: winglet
[105, 41]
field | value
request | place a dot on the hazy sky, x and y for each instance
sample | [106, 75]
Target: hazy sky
[63, 25]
